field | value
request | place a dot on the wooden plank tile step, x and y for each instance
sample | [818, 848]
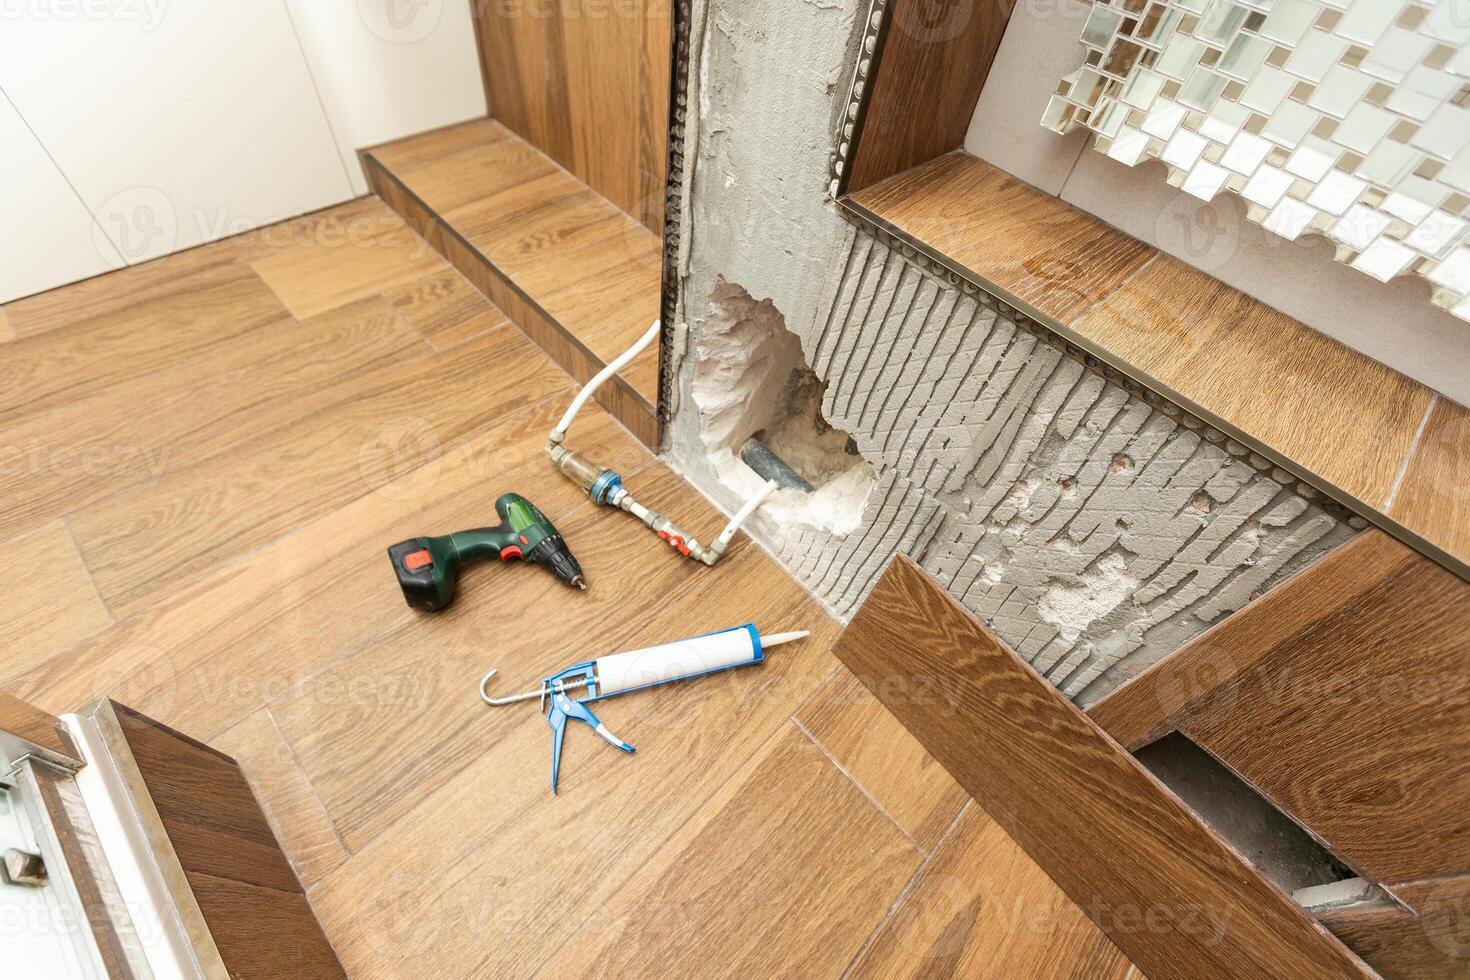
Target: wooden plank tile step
[579, 275]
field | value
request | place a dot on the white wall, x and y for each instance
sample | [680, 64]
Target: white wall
[389, 68]
[140, 127]
[1390, 322]
[34, 195]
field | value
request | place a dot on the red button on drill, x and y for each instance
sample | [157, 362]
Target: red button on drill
[510, 551]
[418, 559]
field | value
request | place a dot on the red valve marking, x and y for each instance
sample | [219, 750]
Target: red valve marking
[675, 542]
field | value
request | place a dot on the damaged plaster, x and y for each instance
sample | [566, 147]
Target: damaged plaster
[1090, 530]
[750, 380]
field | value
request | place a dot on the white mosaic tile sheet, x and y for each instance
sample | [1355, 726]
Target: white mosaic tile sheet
[1349, 118]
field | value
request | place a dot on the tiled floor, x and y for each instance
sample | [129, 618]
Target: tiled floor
[212, 451]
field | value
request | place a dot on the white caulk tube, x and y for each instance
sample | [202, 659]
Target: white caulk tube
[734, 647]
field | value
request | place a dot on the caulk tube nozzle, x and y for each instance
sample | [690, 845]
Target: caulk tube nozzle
[776, 639]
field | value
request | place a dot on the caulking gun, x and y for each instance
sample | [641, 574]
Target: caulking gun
[622, 673]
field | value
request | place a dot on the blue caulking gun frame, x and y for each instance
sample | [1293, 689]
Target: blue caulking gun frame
[635, 670]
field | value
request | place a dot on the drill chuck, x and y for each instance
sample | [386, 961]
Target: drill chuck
[555, 555]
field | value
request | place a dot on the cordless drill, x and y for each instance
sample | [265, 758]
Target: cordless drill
[428, 568]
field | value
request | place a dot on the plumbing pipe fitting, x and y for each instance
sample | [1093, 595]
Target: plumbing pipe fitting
[606, 487]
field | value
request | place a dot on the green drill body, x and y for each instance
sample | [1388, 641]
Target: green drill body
[428, 568]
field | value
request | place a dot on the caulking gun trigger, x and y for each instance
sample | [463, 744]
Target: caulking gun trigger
[562, 708]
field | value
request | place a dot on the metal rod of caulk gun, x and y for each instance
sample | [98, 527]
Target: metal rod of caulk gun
[765, 643]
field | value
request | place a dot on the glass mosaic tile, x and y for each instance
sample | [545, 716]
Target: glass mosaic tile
[1348, 118]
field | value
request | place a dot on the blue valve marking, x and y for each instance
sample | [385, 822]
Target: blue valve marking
[605, 486]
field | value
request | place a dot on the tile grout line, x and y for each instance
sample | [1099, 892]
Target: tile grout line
[375, 637]
[398, 315]
[673, 833]
[404, 617]
[859, 786]
[909, 887]
[775, 733]
[244, 556]
[86, 565]
[306, 778]
[1412, 451]
[820, 684]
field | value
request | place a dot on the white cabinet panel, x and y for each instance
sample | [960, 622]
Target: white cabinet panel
[390, 68]
[47, 237]
[178, 122]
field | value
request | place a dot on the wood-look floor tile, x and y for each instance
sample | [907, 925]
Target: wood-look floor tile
[1433, 500]
[148, 541]
[888, 762]
[526, 213]
[623, 302]
[50, 602]
[1278, 381]
[592, 269]
[1009, 232]
[377, 252]
[516, 869]
[784, 872]
[296, 815]
[342, 740]
[406, 155]
[121, 292]
[220, 647]
[445, 308]
[579, 259]
[983, 908]
[120, 343]
[7, 333]
[473, 174]
[83, 449]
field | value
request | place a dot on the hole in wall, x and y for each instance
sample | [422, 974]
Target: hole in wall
[1268, 838]
[751, 381]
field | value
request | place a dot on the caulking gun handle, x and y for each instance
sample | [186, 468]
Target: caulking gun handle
[557, 719]
[562, 708]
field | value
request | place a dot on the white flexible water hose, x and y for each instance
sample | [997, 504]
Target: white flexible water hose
[755, 501]
[618, 363]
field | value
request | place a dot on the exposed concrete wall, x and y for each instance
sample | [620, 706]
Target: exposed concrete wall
[1093, 532]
